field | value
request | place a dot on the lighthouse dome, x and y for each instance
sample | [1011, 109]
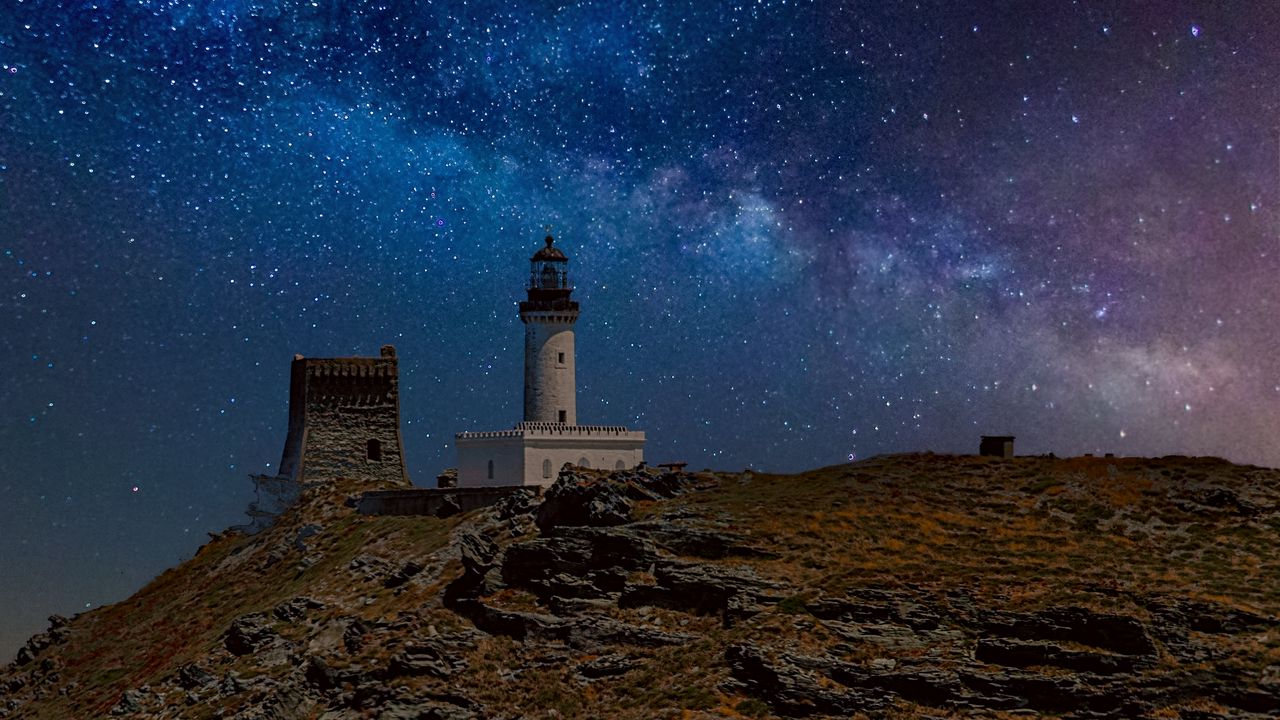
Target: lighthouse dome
[549, 253]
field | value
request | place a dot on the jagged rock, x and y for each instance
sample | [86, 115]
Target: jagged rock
[370, 567]
[296, 608]
[353, 635]
[1053, 694]
[576, 606]
[1024, 653]
[424, 658]
[387, 704]
[192, 676]
[1118, 633]
[702, 589]
[580, 500]
[510, 623]
[130, 702]
[700, 542]
[607, 666]
[660, 484]
[404, 574]
[320, 675]
[32, 649]
[231, 683]
[478, 553]
[514, 505]
[1206, 617]
[481, 575]
[306, 531]
[595, 631]
[248, 634]
[935, 687]
[449, 507]
[577, 562]
[586, 632]
[790, 690]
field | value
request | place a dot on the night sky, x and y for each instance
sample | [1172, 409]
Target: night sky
[801, 232]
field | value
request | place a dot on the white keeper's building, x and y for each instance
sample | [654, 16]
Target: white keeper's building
[533, 452]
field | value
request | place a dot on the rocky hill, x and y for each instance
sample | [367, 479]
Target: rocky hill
[898, 587]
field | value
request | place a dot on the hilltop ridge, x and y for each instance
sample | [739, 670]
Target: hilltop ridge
[900, 586]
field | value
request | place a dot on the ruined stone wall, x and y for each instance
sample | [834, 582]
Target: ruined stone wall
[350, 419]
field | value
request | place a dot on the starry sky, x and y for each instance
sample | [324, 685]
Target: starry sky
[801, 232]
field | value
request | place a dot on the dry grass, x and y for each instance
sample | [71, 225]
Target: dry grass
[1014, 534]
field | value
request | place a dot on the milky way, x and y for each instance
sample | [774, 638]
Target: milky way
[800, 233]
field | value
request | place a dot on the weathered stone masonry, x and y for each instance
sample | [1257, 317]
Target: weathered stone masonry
[344, 421]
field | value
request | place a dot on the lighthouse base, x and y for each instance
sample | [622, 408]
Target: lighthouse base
[532, 453]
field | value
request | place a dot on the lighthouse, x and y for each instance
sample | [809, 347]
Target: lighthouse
[549, 315]
[549, 437]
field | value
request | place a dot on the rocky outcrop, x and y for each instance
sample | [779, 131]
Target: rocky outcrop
[248, 634]
[615, 582]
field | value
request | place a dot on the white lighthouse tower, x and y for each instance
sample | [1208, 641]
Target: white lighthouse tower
[534, 451]
[550, 394]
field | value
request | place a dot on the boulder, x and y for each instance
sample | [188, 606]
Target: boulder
[403, 574]
[192, 676]
[130, 702]
[577, 500]
[248, 634]
[295, 609]
[481, 563]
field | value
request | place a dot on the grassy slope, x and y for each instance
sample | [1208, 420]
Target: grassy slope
[180, 617]
[1031, 530]
[1016, 534]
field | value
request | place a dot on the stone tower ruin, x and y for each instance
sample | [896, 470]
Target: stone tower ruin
[344, 422]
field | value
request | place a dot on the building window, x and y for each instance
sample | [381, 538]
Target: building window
[564, 416]
[582, 462]
[560, 358]
[546, 468]
[490, 469]
[373, 451]
[619, 465]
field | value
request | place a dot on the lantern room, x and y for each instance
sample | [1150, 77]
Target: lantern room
[549, 273]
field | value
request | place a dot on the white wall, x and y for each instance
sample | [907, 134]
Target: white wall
[474, 454]
[518, 457]
[601, 455]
